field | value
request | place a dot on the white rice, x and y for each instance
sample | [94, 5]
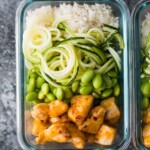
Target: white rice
[145, 30]
[82, 17]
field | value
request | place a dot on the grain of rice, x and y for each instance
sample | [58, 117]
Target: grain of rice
[84, 16]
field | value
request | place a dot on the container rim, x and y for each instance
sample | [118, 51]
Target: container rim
[18, 109]
[24, 145]
[135, 130]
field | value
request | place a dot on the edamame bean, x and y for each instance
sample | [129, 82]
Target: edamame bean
[96, 95]
[45, 88]
[78, 91]
[41, 95]
[145, 89]
[31, 96]
[32, 81]
[98, 91]
[39, 82]
[67, 93]
[54, 91]
[101, 88]
[106, 93]
[30, 88]
[51, 96]
[75, 86]
[59, 93]
[145, 103]
[97, 81]
[114, 81]
[108, 81]
[34, 75]
[87, 76]
[86, 90]
[117, 90]
[112, 74]
[31, 85]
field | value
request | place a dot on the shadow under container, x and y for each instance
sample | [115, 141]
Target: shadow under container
[24, 119]
[138, 15]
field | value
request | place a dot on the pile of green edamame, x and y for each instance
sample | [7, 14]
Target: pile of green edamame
[38, 90]
[100, 86]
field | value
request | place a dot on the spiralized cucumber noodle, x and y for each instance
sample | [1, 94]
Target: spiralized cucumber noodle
[62, 51]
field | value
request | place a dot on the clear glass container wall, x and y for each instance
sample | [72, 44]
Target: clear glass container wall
[138, 15]
[24, 119]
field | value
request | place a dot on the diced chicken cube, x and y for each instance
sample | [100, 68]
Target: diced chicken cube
[38, 127]
[57, 108]
[94, 121]
[56, 132]
[112, 111]
[146, 116]
[105, 135]
[146, 135]
[41, 139]
[62, 132]
[60, 119]
[41, 112]
[80, 107]
[77, 137]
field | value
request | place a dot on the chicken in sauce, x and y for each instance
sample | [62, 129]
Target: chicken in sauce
[78, 122]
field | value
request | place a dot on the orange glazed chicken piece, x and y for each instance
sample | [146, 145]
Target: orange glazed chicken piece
[41, 112]
[105, 135]
[146, 135]
[62, 132]
[94, 121]
[57, 108]
[80, 107]
[77, 137]
[112, 111]
[56, 132]
[38, 127]
[146, 116]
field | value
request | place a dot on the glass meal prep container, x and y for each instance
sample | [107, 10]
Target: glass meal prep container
[24, 119]
[138, 16]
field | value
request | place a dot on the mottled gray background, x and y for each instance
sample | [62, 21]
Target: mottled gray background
[8, 139]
